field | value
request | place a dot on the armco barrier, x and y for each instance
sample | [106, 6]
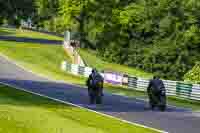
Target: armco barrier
[68, 67]
[173, 88]
[183, 89]
[87, 71]
[132, 82]
[142, 84]
[74, 69]
[81, 70]
[195, 94]
[170, 87]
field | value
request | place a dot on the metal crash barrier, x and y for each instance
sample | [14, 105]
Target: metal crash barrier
[173, 88]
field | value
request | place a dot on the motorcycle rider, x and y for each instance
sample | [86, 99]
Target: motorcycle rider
[95, 87]
[156, 92]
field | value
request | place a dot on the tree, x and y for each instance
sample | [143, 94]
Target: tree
[159, 36]
[16, 10]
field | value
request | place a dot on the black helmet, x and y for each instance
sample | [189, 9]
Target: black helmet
[94, 70]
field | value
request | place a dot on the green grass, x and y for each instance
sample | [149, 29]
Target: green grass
[27, 34]
[21, 112]
[92, 60]
[42, 59]
[171, 100]
[46, 60]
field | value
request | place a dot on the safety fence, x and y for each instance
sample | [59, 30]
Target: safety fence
[76, 69]
[173, 88]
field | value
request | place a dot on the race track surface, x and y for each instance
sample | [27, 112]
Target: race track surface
[30, 40]
[174, 120]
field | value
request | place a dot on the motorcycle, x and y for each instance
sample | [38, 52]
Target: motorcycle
[158, 100]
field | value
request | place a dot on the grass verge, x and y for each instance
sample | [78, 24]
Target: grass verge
[27, 34]
[171, 100]
[42, 59]
[21, 112]
[46, 60]
[92, 60]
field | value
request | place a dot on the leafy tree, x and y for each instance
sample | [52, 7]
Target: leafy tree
[159, 36]
[16, 10]
[194, 74]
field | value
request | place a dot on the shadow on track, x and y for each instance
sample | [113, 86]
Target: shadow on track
[30, 40]
[129, 109]
[79, 96]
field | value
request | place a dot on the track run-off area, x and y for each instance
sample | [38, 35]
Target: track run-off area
[173, 120]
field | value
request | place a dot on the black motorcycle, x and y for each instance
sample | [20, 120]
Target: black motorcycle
[158, 99]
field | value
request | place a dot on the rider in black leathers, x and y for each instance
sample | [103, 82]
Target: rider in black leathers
[95, 91]
[157, 93]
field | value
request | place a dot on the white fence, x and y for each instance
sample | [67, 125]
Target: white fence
[173, 88]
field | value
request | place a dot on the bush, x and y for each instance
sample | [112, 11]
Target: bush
[194, 74]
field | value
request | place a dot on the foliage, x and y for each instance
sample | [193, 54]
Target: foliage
[90, 57]
[194, 74]
[158, 36]
[49, 56]
[16, 10]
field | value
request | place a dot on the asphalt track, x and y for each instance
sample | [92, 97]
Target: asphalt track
[174, 120]
[30, 40]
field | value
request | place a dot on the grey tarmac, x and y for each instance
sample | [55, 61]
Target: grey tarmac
[174, 120]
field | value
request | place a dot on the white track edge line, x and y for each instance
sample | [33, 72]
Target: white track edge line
[62, 81]
[42, 76]
[12, 61]
[65, 102]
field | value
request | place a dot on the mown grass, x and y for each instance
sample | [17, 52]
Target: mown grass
[42, 59]
[27, 34]
[21, 112]
[94, 61]
[46, 60]
[171, 100]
